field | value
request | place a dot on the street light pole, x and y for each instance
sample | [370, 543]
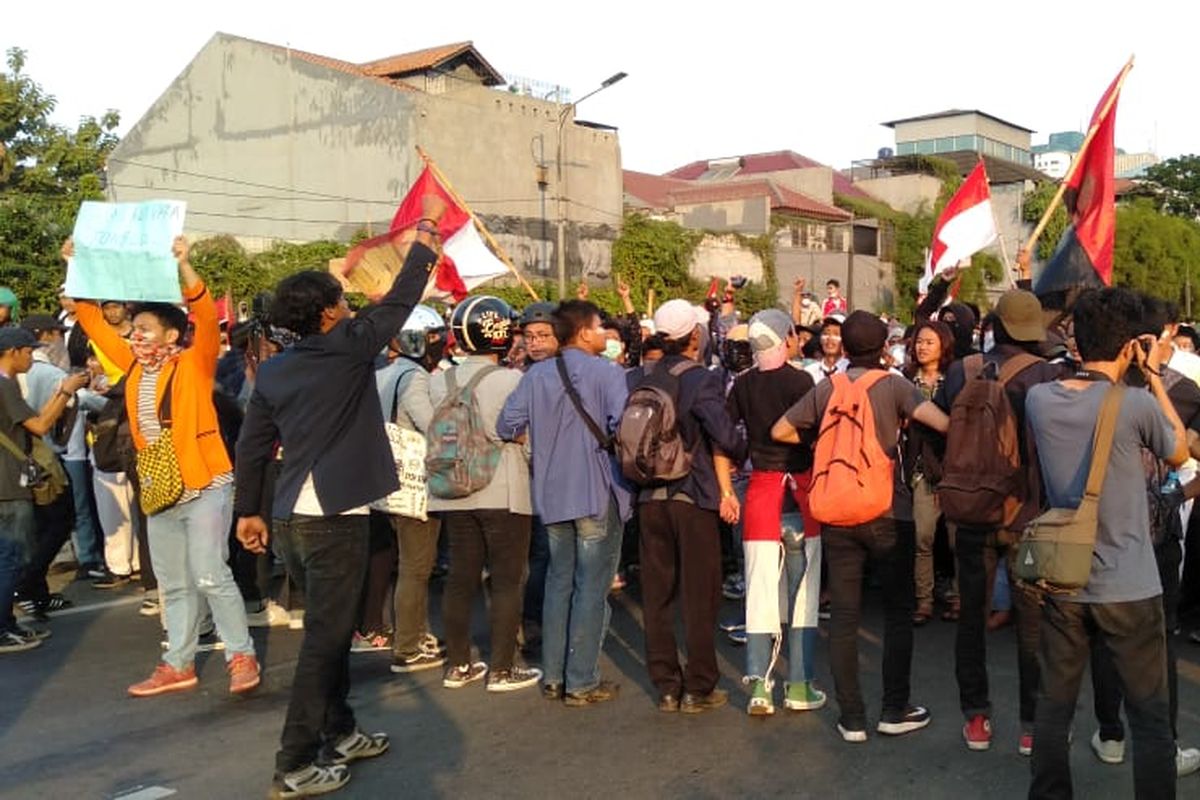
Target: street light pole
[561, 249]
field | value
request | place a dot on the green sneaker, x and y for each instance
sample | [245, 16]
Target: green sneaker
[760, 704]
[803, 696]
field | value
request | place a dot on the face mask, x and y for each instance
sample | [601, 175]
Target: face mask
[613, 349]
[56, 354]
[898, 354]
[989, 341]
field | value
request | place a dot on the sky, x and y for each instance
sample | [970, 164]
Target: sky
[706, 80]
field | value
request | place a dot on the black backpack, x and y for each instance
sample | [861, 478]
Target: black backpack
[112, 441]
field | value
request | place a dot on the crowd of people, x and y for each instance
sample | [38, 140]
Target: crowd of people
[564, 452]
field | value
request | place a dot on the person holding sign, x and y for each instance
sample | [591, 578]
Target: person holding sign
[168, 395]
[318, 401]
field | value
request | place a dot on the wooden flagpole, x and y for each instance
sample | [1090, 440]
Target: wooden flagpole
[1087, 141]
[496, 248]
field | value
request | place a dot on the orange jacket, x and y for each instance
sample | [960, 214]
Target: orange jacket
[194, 431]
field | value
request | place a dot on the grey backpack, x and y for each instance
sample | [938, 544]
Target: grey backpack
[649, 445]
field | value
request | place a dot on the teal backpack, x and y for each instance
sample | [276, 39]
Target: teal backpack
[460, 459]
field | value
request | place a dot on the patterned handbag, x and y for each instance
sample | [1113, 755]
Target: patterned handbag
[157, 465]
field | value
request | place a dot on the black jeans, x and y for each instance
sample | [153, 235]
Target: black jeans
[52, 525]
[681, 563]
[890, 546]
[500, 539]
[1133, 633]
[326, 557]
[977, 553]
[381, 574]
[1106, 681]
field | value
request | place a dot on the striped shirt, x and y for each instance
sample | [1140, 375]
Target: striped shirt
[151, 429]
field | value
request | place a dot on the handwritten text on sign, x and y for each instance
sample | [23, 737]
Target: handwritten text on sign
[123, 251]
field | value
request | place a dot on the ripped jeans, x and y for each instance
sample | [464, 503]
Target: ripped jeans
[189, 548]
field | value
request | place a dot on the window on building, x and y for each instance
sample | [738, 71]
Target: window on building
[964, 143]
[923, 147]
[904, 148]
[944, 145]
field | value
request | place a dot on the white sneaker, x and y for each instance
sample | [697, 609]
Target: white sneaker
[1186, 761]
[854, 735]
[1110, 752]
[272, 615]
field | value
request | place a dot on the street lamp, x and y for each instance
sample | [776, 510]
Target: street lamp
[562, 212]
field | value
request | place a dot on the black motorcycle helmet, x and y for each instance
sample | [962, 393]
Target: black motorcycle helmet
[483, 325]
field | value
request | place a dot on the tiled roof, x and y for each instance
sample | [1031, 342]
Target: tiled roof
[780, 196]
[431, 58]
[778, 161]
[333, 63]
[653, 190]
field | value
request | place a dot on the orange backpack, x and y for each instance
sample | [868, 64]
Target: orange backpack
[852, 475]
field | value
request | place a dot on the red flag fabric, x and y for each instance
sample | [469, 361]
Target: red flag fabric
[1095, 216]
[466, 262]
[965, 226]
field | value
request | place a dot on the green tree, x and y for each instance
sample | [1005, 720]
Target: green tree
[1156, 253]
[46, 171]
[1035, 205]
[1176, 182]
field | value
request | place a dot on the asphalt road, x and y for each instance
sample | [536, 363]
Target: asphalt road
[67, 729]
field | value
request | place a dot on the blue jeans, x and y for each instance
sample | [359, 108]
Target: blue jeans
[802, 641]
[583, 560]
[16, 544]
[535, 586]
[86, 536]
[189, 547]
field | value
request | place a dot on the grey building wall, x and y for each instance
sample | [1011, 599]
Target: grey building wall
[266, 145]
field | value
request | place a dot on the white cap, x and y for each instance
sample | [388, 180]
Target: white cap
[675, 319]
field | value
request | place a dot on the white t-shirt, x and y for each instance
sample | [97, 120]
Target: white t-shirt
[309, 505]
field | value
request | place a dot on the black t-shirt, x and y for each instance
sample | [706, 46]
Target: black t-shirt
[759, 399]
[13, 411]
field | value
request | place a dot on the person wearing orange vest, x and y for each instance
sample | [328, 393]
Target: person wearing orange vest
[189, 541]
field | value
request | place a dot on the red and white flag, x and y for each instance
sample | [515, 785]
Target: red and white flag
[966, 226]
[466, 261]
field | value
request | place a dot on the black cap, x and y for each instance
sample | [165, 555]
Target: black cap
[40, 323]
[863, 333]
[538, 312]
[12, 338]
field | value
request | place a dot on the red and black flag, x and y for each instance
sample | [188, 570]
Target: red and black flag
[1084, 256]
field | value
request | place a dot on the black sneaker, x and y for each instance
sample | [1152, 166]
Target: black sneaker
[110, 581]
[310, 781]
[53, 602]
[357, 745]
[18, 640]
[510, 680]
[417, 661]
[895, 723]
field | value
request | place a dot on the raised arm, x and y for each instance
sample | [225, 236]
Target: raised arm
[375, 326]
[206, 337]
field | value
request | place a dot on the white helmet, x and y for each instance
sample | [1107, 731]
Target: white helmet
[423, 318]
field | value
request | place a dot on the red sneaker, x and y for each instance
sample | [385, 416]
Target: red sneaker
[978, 733]
[244, 673]
[1025, 745]
[165, 679]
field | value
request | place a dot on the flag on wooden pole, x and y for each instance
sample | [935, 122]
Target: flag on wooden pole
[967, 225]
[1084, 256]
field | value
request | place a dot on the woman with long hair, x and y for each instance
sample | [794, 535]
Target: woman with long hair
[930, 351]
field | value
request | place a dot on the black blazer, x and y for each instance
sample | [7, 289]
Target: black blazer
[317, 399]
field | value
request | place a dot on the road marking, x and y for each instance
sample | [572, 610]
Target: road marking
[147, 793]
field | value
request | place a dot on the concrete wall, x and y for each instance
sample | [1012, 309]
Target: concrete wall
[266, 146]
[904, 192]
[816, 182]
[723, 257]
[874, 280]
[751, 216]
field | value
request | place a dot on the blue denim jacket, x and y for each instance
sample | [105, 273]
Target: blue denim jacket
[572, 476]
